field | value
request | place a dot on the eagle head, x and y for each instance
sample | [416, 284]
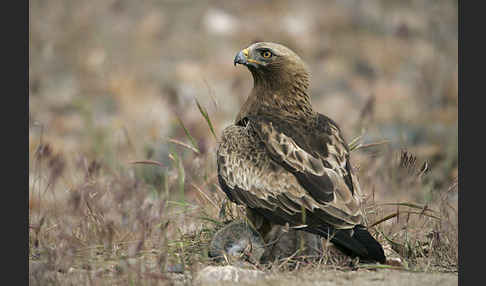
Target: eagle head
[276, 70]
[267, 57]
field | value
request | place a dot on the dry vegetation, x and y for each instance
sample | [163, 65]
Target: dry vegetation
[118, 81]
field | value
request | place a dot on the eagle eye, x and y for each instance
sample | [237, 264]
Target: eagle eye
[266, 54]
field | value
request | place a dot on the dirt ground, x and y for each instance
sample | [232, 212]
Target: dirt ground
[383, 277]
[362, 278]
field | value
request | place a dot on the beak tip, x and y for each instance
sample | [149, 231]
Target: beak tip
[240, 58]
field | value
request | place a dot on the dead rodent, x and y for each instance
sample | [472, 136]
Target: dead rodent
[283, 243]
[236, 238]
[239, 238]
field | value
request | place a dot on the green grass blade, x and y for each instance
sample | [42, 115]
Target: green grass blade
[181, 174]
[193, 142]
[209, 219]
[206, 116]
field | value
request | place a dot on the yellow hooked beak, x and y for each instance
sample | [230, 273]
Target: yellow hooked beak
[243, 58]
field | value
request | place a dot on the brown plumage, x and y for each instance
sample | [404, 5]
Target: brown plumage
[281, 157]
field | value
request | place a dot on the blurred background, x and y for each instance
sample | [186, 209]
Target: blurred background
[116, 81]
[111, 81]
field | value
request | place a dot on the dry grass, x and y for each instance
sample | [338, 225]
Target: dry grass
[154, 83]
[111, 227]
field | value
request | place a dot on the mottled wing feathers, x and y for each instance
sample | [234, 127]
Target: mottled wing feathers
[250, 176]
[316, 154]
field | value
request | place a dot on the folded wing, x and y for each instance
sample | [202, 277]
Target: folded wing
[263, 168]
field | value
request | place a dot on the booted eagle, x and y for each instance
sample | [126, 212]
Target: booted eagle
[289, 164]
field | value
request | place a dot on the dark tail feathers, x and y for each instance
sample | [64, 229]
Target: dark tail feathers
[359, 242]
